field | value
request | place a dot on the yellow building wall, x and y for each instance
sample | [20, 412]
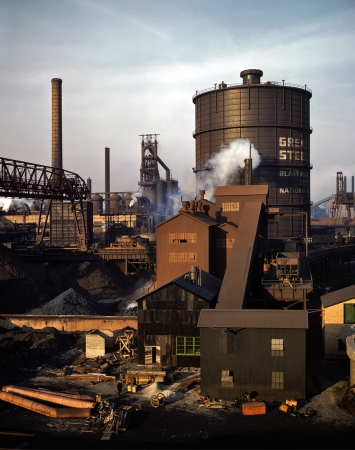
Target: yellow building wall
[333, 321]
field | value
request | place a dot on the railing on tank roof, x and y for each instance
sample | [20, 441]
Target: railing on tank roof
[268, 83]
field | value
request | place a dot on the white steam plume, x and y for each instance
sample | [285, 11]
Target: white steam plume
[226, 165]
[5, 203]
[134, 198]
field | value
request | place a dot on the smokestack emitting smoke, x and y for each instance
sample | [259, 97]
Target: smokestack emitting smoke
[57, 150]
[226, 165]
[107, 180]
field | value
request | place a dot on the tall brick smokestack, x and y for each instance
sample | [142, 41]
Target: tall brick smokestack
[107, 180]
[57, 156]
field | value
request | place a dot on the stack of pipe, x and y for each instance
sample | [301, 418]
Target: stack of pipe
[79, 405]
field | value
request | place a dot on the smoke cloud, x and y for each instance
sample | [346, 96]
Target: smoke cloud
[226, 165]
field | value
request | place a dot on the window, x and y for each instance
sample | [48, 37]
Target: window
[188, 346]
[277, 380]
[225, 243]
[230, 206]
[182, 238]
[177, 257]
[277, 347]
[227, 378]
[349, 313]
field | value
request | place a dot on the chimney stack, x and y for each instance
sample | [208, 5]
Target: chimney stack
[57, 150]
[107, 180]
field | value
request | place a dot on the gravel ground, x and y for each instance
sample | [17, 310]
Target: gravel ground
[181, 422]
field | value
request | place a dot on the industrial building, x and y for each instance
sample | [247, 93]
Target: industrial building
[167, 319]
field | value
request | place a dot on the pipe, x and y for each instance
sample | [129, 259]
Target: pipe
[89, 398]
[49, 397]
[57, 413]
[57, 149]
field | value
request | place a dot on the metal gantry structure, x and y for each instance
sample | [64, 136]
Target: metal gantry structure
[27, 180]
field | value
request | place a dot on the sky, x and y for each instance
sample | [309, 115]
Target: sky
[132, 67]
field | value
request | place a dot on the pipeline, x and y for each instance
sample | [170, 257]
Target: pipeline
[52, 398]
[56, 413]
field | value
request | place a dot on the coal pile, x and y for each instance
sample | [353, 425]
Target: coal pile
[23, 350]
[70, 302]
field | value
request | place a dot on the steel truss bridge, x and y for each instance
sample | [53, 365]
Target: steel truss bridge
[26, 180]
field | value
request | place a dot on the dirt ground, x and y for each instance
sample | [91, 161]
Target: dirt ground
[27, 356]
[180, 422]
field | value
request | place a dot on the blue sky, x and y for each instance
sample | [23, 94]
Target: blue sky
[131, 67]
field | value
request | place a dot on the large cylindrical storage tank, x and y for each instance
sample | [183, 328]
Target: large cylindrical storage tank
[275, 117]
[115, 203]
[97, 202]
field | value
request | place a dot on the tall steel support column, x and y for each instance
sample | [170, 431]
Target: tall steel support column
[57, 150]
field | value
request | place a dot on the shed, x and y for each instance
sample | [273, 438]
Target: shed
[338, 319]
[98, 343]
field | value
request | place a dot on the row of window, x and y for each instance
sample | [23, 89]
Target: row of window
[176, 257]
[176, 238]
[190, 238]
[277, 379]
[230, 206]
[186, 345]
[225, 243]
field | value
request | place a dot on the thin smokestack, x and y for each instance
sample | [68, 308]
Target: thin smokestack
[107, 180]
[57, 150]
[88, 183]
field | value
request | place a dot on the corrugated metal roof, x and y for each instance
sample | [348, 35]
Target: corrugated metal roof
[207, 291]
[253, 318]
[200, 217]
[342, 295]
[238, 270]
[253, 189]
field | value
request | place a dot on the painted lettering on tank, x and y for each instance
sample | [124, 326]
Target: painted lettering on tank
[293, 155]
[294, 190]
[293, 173]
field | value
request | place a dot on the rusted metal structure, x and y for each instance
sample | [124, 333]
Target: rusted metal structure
[342, 197]
[26, 180]
[275, 117]
[159, 191]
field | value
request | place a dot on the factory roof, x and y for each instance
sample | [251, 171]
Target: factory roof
[253, 189]
[253, 318]
[209, 288]
[200, 217]
[342, 295]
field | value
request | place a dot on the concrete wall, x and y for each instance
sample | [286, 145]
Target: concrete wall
[70, 323]
[333, 320]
